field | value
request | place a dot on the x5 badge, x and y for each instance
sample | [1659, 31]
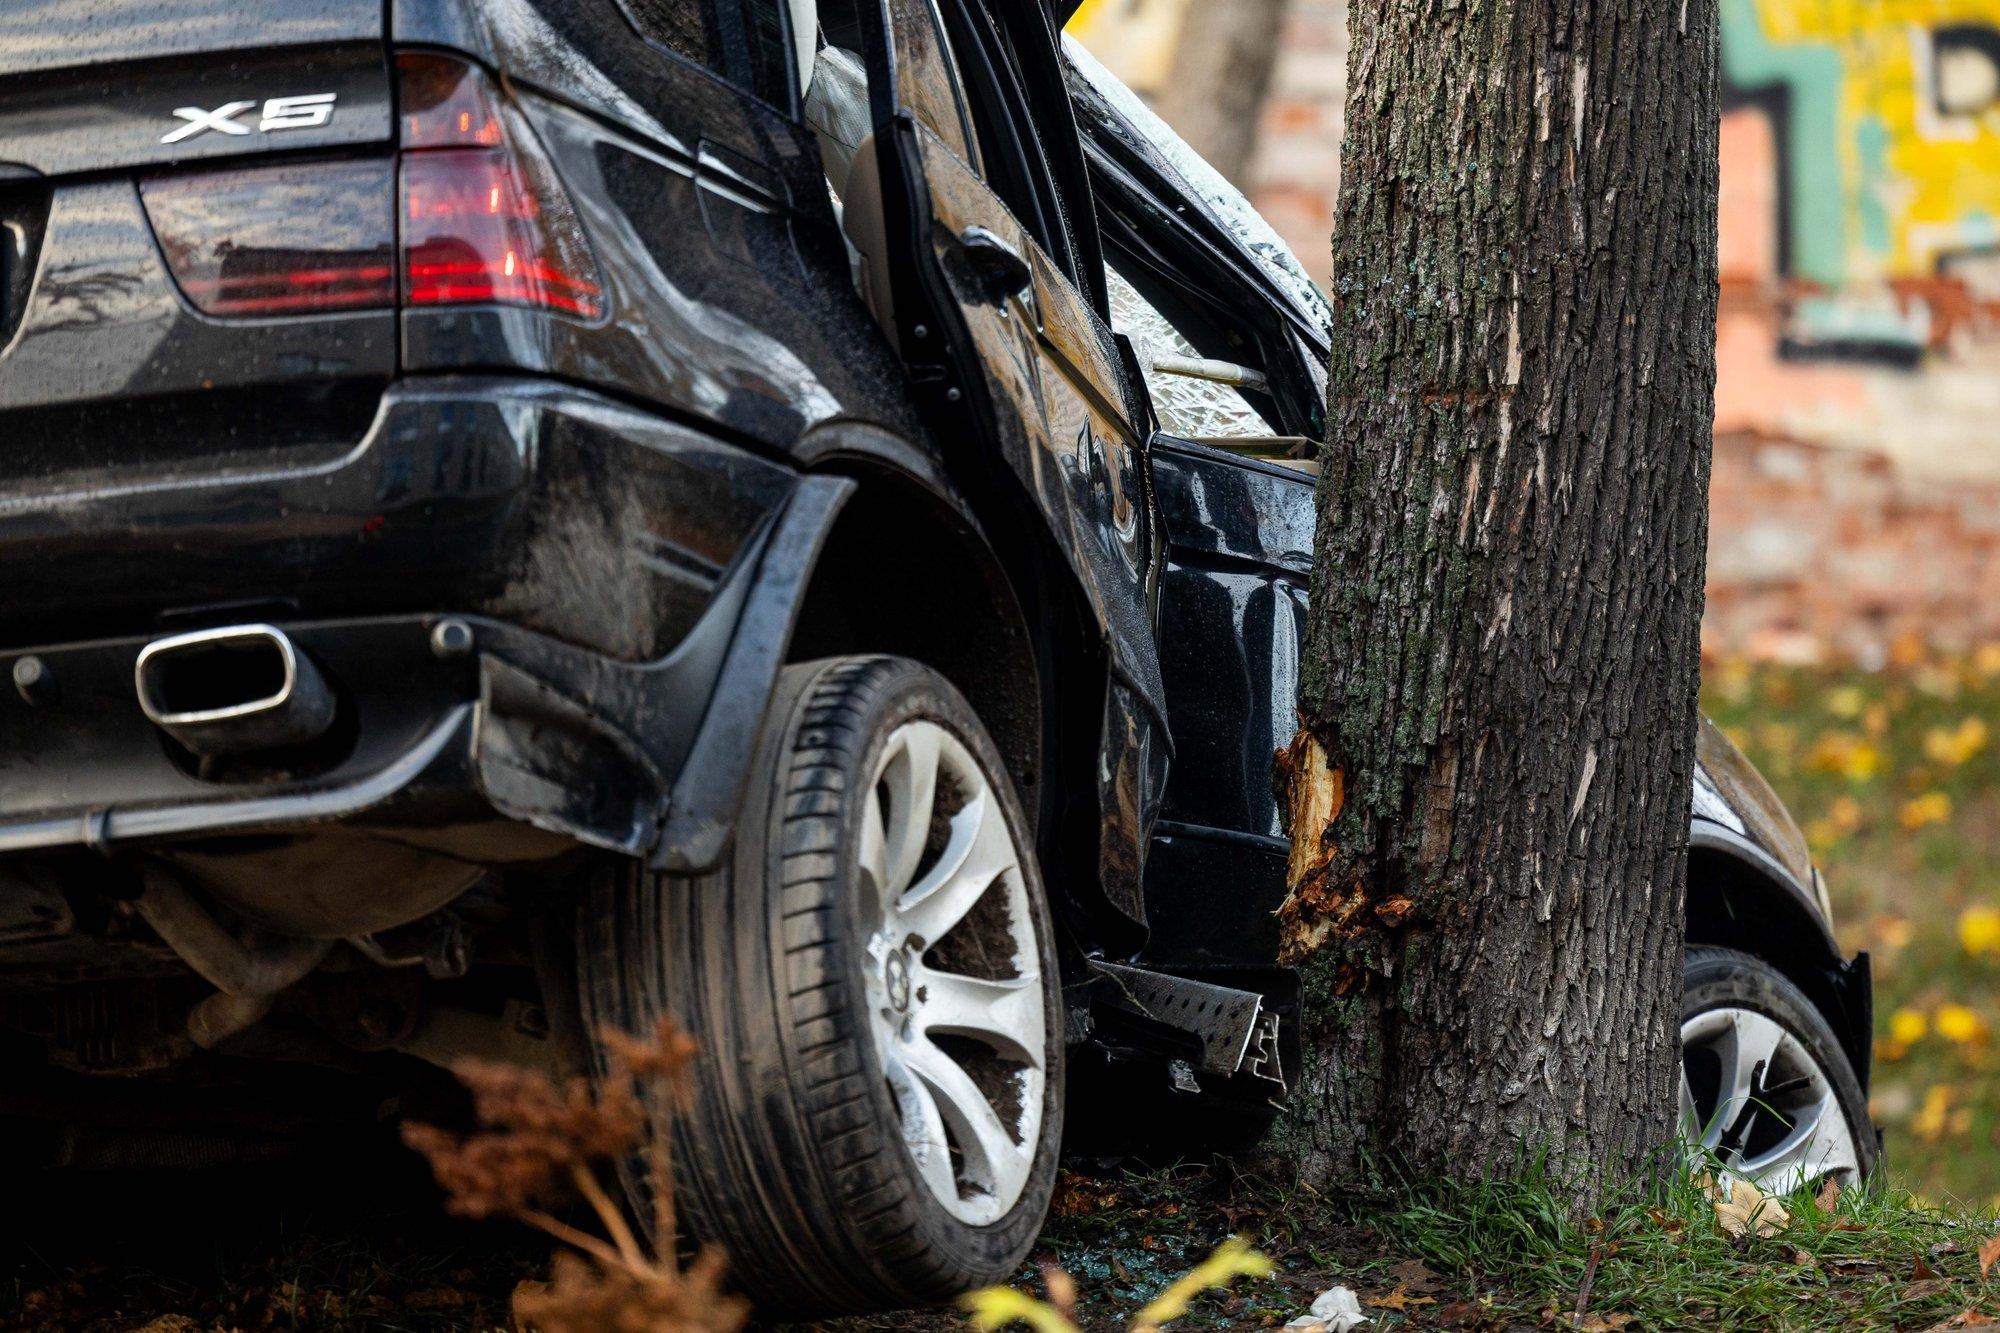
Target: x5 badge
[304, 111]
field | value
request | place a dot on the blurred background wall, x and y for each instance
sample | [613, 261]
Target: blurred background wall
[1857, 469]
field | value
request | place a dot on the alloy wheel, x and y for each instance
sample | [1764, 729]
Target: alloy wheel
[955, 998]
[1754, 1100]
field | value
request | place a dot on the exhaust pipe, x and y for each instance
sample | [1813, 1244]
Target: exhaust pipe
[228, 691]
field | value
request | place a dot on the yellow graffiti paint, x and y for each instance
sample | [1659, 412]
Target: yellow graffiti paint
[1883, 180]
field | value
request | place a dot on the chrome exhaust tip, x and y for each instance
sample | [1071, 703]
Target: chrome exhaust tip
[232, 690]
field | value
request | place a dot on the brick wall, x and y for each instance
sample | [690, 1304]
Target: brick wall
[1818, 552]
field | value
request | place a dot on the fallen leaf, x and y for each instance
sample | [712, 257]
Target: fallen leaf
[1742, 1209]
[1924, 1290]
[1921, 1271]
[1460, 1313]
[1412, 1273]
[1400, 1299]
[1603, 1323]
[1964, 1319]
[1829, 1195]
[1989, 1254]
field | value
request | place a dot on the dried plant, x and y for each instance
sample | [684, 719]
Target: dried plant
[539, 1144]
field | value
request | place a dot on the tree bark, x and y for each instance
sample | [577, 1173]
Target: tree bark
[1489, 792]
[1221, 71]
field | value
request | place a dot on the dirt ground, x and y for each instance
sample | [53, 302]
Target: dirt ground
[356, 1241]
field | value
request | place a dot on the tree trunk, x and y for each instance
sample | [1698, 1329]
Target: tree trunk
[1490, 789]
[1221, 71]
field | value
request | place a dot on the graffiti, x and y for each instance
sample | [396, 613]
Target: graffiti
[1886, 120]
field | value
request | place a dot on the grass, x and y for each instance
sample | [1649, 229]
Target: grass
[1895, 776]
[1508, 1254]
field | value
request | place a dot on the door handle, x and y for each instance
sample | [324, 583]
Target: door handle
[997, 267]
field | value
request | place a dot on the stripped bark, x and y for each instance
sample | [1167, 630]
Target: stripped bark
[1490, 789]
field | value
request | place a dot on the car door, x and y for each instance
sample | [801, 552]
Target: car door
[985, 276]
[1232, 464]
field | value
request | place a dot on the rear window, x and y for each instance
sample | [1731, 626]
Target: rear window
[744, 41]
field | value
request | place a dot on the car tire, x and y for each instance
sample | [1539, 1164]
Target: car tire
[845, 1083]
[1766, 1090]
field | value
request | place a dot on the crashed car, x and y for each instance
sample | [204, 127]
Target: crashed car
[529, 516]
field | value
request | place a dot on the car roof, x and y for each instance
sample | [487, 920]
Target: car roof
[1105, 103]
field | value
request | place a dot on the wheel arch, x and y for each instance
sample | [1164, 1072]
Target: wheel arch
[906, 570]
[1740, 898]
[1005, 623]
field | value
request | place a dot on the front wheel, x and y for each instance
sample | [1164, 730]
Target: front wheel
[872, 981]
[1766, 1090]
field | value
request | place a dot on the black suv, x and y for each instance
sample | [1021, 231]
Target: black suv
[525, 515]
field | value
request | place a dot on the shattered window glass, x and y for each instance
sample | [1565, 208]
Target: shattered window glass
[1193, 409]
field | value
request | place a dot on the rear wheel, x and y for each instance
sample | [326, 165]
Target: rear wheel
[872, 980]
[1765, 1088]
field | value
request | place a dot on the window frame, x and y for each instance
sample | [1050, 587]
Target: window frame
[728, 25]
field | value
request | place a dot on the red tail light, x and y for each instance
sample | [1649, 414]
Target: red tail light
[484, 219]
[296, 239]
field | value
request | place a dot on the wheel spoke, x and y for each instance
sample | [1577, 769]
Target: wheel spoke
[1818, 1143]
[870, 850]
[923, 1128]
[979, 850]
[1691, 1126]
[993, 1160]
[1753, 1040]
[911, 777]
[1006, 1015]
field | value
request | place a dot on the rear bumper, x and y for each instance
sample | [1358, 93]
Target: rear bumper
[608, 566]
[434, 747]
[544, 506]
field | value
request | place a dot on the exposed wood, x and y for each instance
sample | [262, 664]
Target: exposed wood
[1503, 649]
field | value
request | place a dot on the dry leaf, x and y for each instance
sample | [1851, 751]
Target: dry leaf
[1603, 1323]
[1921, 1271]
[1964, 1319]
[1989, 1254]
[1742, 1209]
[1400, 1299]
[1829, 1195]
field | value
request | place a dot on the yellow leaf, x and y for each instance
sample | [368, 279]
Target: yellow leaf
[997, 1307]
[1979, 930]
[1742, 1209]
[1959, 1025]
[1933, 807]
[1400, 1299]
[1952, 747]
[1907, 1026]
[1929, 1122]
